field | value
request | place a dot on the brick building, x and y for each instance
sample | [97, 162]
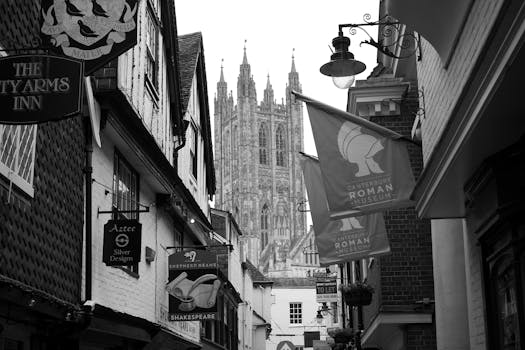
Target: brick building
[401, 313]
[470, 63]
[141, 149]
[41, 214]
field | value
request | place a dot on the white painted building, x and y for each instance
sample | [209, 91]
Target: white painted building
[294, 313]
[153, 167]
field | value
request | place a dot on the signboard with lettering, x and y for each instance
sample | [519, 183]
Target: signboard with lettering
[39, 88]
[193, 284]
[122, 242]
[326, 291]
[89, 30]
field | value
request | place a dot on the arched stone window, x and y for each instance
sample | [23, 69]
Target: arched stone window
[264, 226]
[263, 145]
[226, 153]
[235, 155]
[280, 146]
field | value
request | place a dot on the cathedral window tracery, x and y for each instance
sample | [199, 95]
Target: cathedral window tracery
[263, 145]
[280, 146]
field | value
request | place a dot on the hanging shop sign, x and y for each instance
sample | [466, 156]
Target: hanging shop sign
[39, 88]
[326, 291]
[193, 285]
[95, 31]
[122, 242]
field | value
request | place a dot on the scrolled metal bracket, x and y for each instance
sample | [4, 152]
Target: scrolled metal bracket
[408, 42]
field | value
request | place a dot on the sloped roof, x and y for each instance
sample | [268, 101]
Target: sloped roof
[257, 276]
[294, 282]
[190, 46]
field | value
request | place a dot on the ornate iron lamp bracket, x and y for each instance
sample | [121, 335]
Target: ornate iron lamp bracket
[408, 42]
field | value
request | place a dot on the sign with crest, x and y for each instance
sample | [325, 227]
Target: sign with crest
[95, 31]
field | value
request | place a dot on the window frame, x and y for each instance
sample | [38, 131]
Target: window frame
[280, 147]
[263, 145]
[193, 151]
[296, 313]
[152, 53]
[24, 183]
[118, 161]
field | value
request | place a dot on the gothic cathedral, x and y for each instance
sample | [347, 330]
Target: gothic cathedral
[259, 177]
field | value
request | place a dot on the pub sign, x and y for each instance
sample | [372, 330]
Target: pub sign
[95, 31]
[122, 242]
[39, 88]
[193, 285]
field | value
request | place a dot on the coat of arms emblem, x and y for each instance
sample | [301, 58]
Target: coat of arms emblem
[91, 30]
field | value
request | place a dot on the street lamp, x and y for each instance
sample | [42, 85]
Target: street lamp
[343, 67]
[323, 310]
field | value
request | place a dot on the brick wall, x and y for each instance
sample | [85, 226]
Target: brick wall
[420, 337]
[406, 273]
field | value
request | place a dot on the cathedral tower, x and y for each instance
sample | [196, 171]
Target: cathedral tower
[259, 179]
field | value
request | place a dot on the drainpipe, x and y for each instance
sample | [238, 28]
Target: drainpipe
[88, 173]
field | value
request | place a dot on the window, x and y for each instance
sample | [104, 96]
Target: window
[263, 145]
[125, 194]
[193, 139]
[235, 156]
[152, 43]
[296, 313]
[17, 155]
[264, 226]
[279, 146]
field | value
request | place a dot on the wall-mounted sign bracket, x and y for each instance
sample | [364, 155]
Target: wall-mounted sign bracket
[115, 211]
[201, 246]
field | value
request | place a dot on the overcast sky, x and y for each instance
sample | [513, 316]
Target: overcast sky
[272, 30]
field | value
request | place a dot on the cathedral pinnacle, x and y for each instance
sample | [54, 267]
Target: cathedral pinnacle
[245, 59]
[222, 73]
[293, 61]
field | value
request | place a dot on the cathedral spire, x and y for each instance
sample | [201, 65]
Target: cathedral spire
[268, 94]
[245, 58]
[245, 83]
[222, 73]
[293, 76]
[293, 61]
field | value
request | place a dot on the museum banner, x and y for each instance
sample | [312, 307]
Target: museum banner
[365, 167]
[346, 239]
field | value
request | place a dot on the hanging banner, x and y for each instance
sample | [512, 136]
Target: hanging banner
[365, 167]
[193, 285]
[95, 31]
[326, 291]
[39, 88]
[122, 242]
[346, 239]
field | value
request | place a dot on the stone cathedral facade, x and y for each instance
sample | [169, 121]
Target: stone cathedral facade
[259, 177]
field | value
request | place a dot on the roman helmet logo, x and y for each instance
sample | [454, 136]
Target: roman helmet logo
[359, 148]
[88, 29]
[348, 224]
